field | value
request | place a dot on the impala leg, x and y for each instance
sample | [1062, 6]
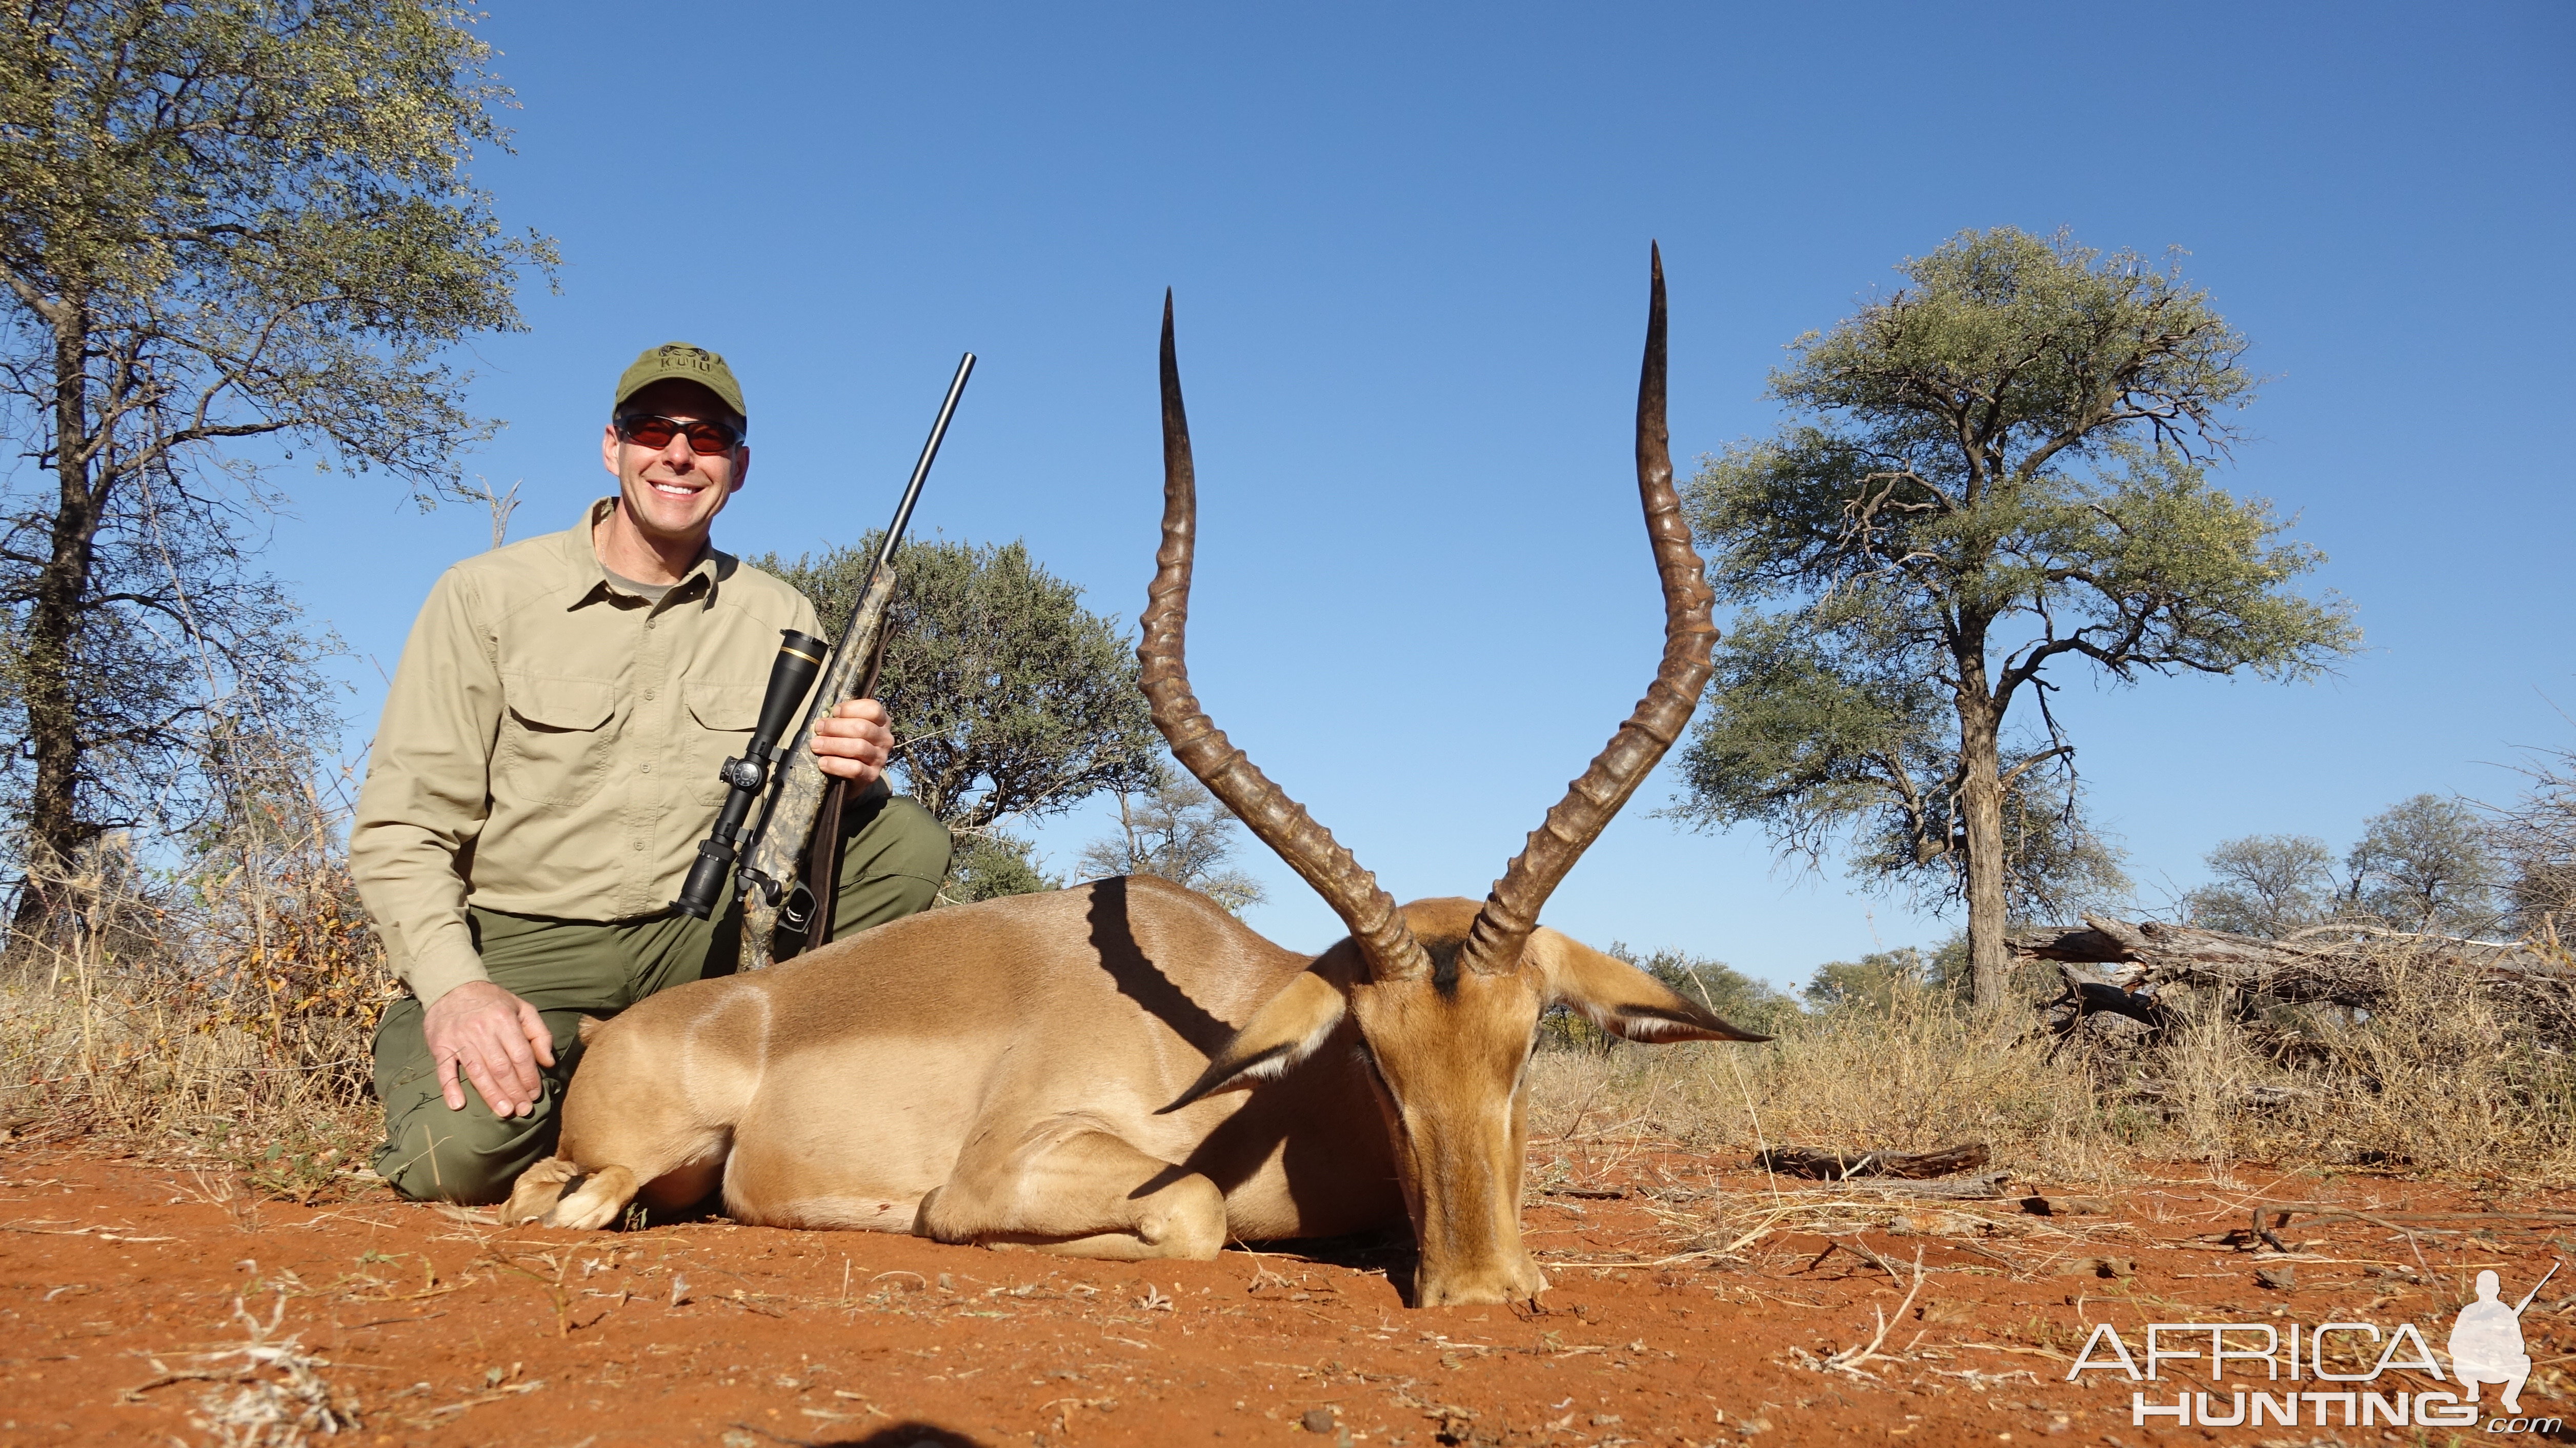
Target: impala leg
[556, 1193]
[537, 1191]
[1078, 1191]
[633, 1128]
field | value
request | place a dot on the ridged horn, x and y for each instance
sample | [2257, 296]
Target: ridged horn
[1510, 913]
[1265, 809]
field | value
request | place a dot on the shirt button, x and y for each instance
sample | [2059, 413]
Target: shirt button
[639, 844]
[647, 769]
[648, 694]
[648, 623]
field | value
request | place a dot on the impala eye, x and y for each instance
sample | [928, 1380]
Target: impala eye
[1368, 1058]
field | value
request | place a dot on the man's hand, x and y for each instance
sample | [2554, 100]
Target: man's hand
[497, 1039]
[854, 743]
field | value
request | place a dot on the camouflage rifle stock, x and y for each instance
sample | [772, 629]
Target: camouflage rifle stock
[768, 874]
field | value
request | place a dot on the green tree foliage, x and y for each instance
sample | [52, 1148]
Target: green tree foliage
[1869, 984]
[1994, 473]
[2265, 885]
[992, 863]
[1822, 736]
[1175, 829]
[1010, 699]
[2426, 863]
[1909, 978]
[219, 221]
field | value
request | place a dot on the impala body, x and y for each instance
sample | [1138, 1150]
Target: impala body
[843, 1088]
[1125, 1070]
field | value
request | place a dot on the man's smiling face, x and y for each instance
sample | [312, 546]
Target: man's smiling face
[673, 493]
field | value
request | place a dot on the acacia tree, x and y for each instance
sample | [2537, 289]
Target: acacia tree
[1175, 829]
[2425, 863]
[1992, 474]
[2265, 885]
[1827, 731]
[220, 222]
[1010, 700]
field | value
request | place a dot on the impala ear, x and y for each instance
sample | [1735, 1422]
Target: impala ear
[1623, 1000]
[1282, 1033]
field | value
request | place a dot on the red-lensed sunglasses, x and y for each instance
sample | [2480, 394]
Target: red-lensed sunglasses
[655, 431]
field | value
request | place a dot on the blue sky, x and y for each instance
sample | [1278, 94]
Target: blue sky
[1409, 249]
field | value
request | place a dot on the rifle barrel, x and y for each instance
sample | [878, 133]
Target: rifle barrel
[921, 469]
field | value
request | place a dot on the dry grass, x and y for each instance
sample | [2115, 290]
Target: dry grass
[2452, 1081]
[2452, 1078]
[226, 1017]
[1915, 1076]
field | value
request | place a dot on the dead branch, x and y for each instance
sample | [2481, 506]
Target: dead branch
[1839, 1165]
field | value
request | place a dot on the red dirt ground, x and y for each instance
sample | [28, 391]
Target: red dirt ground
[1691, 1306]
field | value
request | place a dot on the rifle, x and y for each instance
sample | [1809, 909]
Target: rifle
[767, 882]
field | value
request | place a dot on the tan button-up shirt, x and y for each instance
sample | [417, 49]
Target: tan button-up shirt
[551, 741]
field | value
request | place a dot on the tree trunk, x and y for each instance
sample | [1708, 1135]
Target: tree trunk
[56, 831]
[1981, 809]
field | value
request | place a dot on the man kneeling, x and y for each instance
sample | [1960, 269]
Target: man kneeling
[546, 768]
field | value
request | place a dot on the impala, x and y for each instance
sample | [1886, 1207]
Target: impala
[1123, 1069]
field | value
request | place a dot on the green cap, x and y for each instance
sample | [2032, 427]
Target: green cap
[687, 363]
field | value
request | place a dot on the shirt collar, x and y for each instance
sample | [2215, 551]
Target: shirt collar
[698, 584]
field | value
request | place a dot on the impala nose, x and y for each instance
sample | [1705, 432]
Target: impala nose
[1483, 1286]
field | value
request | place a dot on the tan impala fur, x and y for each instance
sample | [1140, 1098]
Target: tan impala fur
[1125, 1070]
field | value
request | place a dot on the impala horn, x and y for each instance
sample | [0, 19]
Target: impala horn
[1510, 913]
[1265, 809]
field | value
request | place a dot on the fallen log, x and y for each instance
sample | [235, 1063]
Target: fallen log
[2346, 965]
[1830, 1165]
[1983, 1185]
[2083, 998]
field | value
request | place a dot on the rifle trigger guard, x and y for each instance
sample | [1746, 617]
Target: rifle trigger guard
[797, 911]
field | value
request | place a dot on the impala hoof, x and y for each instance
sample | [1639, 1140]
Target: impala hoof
[594, 1201]
[539, 1189]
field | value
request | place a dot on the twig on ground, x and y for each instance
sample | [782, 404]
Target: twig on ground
[1990, 1254]
[1854, 1360]
[280, 1398]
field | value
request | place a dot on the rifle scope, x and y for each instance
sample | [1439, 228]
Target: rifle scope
[800, 657]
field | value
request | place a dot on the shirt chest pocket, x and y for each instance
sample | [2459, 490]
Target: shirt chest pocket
[721, 718]
[556, 740]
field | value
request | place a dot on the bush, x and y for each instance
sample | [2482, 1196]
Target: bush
[229, 1010]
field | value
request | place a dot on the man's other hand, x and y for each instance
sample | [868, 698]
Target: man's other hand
[496, 1039]
[854, 743]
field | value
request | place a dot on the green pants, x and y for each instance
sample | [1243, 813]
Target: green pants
[892, 861]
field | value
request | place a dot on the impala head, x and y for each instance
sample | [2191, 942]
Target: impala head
[1444, 996]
